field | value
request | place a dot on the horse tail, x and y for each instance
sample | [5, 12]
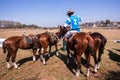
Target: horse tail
[104, 40]
[90, 43]
[103, 43]
[4, 47]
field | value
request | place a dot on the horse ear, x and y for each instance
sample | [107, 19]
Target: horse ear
[65, 28]
[59, 26]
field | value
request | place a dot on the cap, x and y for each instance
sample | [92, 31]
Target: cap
[70, 12]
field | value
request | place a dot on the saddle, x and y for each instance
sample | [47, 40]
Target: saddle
[71, 36]
[28, 40]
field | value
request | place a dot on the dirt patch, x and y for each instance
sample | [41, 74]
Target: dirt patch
[56, 68]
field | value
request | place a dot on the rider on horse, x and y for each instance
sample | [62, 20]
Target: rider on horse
[74, 21]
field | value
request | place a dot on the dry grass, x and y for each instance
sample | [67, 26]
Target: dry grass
[56, 68]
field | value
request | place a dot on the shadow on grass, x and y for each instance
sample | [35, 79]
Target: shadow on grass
[71, 65]
[113, 56]
[113, 75]
[24, 60]
[117, 50]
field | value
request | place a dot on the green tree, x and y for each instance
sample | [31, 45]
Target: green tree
[107, 21]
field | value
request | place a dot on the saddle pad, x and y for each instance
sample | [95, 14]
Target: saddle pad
[28, 40]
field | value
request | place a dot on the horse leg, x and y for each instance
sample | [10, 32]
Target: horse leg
[13, 60]
[56, 49]
[49, 51]
[68, 56]
[43, 55]
[39, 52]
[88, 56]
[95, 61]
[8, 59]
[78, 61]
[99, 57]
[34, 53]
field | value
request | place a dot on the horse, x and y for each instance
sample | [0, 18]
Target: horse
[13, 43]
[99, 43]
[79, 43]
[46, 40]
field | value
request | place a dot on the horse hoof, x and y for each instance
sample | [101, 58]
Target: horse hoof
[95, 71]
[87, 75]
[49, 55]
[77, 74]
[67, 62]
[18, 68]
[57, 53]
[8, 65]
[44, 63]
[9, 68]
[34, 60]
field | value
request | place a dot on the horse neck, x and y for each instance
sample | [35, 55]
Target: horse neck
[53, 38]
[19, 38]
[63, 31]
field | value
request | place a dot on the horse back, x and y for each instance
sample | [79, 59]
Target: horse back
[13, 40]
[44, 39]
[11, 43]
[99, 39]
[83, 40]
[16, 42]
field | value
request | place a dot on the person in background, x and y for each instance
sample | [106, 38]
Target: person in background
[74, 22]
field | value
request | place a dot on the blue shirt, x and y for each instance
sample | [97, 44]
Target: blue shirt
[74, 21]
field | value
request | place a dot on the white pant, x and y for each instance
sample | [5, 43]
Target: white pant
[69, 33]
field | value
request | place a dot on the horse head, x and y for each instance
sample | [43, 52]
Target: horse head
[54, 38]
[62, 30]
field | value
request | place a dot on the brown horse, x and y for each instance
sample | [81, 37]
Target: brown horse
[99, 43]
[45, 40]
[12, 44]
[79, 43]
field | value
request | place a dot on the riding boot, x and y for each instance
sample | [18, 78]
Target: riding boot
[64, 44]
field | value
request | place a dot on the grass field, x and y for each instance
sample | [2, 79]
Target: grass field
[56, 68]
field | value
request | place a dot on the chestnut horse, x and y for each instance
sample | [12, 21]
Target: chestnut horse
[99, 43]
[79, 43]
[12, 44]
[46, 39]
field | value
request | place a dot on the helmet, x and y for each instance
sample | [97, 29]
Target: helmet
[70, 12]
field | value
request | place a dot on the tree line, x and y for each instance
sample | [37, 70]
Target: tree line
[13, 24]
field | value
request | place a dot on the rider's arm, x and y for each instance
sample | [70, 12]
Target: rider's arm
[80, 19]
[68, 22]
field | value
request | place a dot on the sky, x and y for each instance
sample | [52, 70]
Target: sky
[49, 13]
